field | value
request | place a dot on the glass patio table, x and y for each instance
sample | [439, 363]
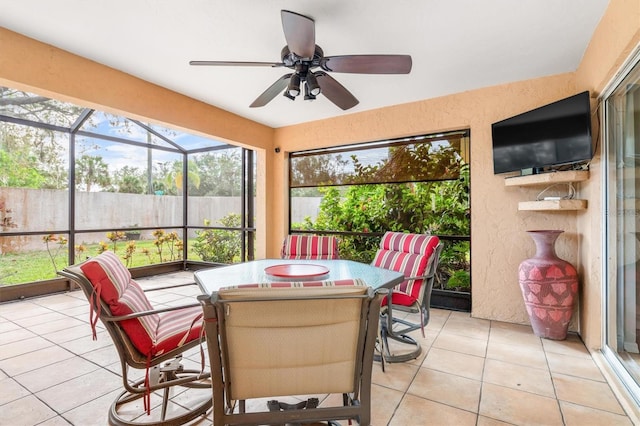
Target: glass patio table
[279, 270]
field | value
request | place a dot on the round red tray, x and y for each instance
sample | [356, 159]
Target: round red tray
[297, 270]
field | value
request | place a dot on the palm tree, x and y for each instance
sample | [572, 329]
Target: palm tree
[174, 177]
[92, 170]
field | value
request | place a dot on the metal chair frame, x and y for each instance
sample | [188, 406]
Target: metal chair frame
[165, 371]
[356, 404]
[397, 329]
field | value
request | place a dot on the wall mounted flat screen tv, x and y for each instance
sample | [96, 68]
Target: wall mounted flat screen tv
[540, 140]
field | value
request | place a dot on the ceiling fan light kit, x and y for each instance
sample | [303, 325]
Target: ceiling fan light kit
[294, 85]
[302, 55]
[307, 95]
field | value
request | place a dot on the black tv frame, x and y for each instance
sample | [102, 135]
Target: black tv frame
[544, 139]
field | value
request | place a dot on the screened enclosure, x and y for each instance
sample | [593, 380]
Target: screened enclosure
[75, 182]
[416, 184]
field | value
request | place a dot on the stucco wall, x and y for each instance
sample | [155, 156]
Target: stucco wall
[614, 40]
[498, 239]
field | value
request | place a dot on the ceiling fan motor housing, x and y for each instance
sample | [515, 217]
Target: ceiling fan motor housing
[304, 76]
[290, 59]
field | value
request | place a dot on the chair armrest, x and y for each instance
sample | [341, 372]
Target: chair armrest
[420, 277]
[147, 313]
[169, 287]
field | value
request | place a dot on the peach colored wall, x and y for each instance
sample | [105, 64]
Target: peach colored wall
[498, 239]
[499, 242]
[616, 37]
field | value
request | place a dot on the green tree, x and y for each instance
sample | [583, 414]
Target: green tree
[220, 174]
[90, 171]
[174, 176]
[130, 180]
[308, 172]
[19, 170]
[36, 148]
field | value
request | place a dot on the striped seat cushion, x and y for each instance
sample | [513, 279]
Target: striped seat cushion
[294, 289]
[411, 254]
[151, 334]
[294, 284]
[310, 247]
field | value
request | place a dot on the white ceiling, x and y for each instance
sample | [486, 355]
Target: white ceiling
[456, 45]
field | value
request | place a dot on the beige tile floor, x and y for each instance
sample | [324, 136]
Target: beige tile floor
[471, 371]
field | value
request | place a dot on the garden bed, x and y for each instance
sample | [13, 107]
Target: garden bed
[451, 300]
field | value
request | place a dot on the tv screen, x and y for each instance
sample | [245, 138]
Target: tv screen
[552, 135]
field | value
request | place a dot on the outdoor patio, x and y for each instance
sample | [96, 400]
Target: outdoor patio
[471, 372]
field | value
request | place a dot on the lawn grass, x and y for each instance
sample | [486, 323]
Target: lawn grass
[37, 265]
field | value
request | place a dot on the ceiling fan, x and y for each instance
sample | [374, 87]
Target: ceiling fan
[304, 56]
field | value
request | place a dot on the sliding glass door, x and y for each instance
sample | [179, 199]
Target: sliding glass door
[622, 222]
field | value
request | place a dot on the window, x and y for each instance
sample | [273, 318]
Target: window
[418, 184]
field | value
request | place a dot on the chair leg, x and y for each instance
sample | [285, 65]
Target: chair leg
[120, 413]
[275, 405]
[165, 403]
[385, 335]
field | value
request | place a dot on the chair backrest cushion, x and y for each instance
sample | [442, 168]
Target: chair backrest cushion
[289, 341]
[310, 247]
[411, 254]
[113, 283]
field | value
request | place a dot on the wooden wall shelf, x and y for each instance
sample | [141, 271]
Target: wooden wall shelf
[553, 205]
[550, 179]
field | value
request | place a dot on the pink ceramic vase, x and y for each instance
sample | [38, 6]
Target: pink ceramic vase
[549, 286]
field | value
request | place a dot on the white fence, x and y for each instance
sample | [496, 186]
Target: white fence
[44, 210]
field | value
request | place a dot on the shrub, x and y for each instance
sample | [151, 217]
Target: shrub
[60, 241]
[219, 245]
[434, 207]
[170, 241]
[460, 280]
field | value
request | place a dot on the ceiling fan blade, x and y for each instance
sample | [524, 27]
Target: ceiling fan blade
[335, 91]
[238, 63]
[272, 91]
[368, 64]
[300, 33]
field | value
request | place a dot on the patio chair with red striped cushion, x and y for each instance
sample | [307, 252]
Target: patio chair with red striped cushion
[292, 340]
[309, 247]
[416, 256]
[146, 338]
